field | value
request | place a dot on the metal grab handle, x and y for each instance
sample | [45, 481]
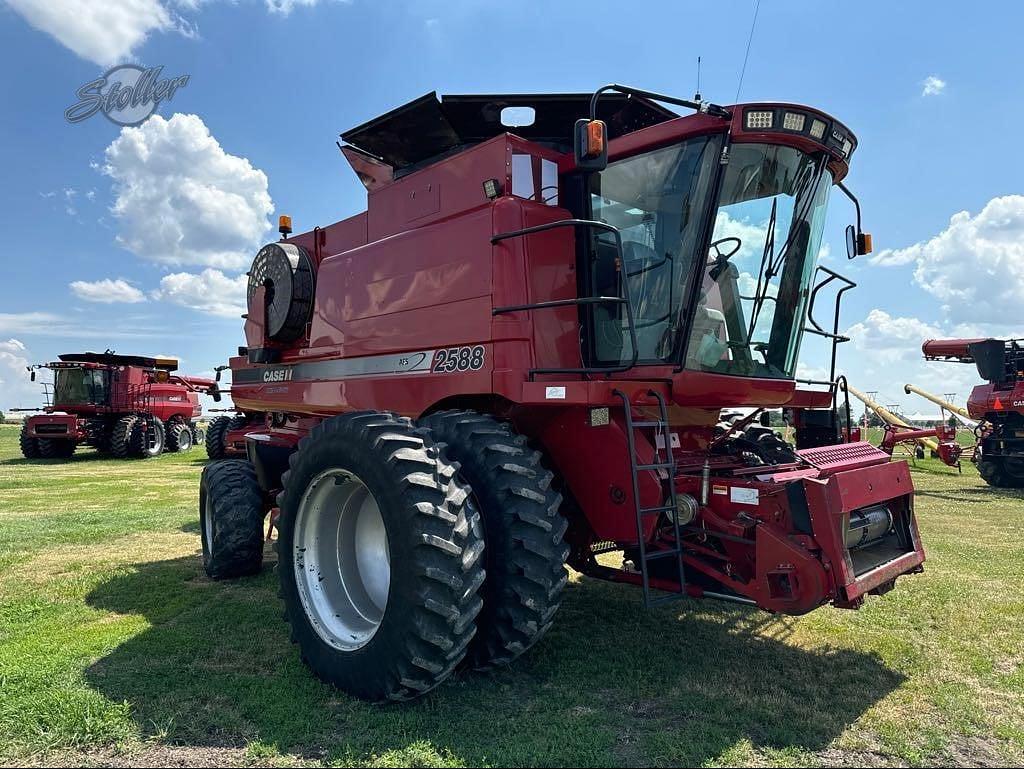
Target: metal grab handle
[586, 300]
[814, 328]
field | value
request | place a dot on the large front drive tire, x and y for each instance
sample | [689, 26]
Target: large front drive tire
[381, 557]
[56, 448]
[121, 436]
[29, 445]
[523, 529]
[231, 511]
[216, 435]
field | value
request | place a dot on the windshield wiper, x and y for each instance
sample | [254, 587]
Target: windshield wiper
[772, 263]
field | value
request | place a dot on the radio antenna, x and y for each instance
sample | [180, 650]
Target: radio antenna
[743, 71]
[696, 96]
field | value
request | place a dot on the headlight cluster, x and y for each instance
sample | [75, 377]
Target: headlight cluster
[829, 133]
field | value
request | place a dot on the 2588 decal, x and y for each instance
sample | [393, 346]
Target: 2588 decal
[458, 359]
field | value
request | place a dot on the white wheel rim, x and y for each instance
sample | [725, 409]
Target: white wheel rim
[341, 559]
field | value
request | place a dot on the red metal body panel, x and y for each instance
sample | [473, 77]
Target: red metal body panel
[988, 400]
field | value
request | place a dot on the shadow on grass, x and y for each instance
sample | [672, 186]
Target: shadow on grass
[974, 494]
[611, 684]
[81, 455]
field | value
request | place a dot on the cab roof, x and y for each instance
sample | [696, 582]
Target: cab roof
[429, 127]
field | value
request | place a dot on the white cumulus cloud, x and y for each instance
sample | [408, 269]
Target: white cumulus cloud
[887, 339]
[107, 291]
[975, 266]
[102, 32]
[15, 388]
[210, 291]
[109, 31]
[181, 199]
[932, 86]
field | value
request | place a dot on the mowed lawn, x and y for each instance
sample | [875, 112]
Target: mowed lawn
[115, 648]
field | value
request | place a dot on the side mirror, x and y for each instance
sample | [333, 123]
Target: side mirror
[32, 376]
[214, 391]
[857, 243]
[591, 145]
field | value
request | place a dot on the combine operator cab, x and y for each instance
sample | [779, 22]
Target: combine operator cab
[122, 405]
[997, 406]
[516, 358]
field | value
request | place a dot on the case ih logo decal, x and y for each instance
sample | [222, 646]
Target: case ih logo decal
[278, 375]
[126, 95]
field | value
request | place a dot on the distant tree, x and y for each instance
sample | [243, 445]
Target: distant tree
[2, 418]
[953, 421]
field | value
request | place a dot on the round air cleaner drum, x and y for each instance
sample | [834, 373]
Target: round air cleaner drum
[286, 270]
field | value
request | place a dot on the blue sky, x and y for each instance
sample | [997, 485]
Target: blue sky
[273, 82]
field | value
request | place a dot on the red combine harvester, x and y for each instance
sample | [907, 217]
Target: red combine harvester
[516, 359]
[997, 406]
[123, 405]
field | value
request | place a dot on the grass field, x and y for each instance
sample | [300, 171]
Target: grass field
[115, 648]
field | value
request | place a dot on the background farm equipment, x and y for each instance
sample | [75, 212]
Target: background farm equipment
[940, 440]
[122, 405]
[997, 407]
[516, 360]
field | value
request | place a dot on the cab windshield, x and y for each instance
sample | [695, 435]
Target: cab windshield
[79, 386]
[755, 282]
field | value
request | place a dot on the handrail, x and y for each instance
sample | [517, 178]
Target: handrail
[814, 328]
[583, 300]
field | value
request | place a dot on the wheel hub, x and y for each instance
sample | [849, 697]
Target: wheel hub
[342, 561]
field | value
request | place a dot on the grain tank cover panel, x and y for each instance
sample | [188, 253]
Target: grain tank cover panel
[428, 127]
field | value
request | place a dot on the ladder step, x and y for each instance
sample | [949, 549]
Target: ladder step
[662, 554]
[665, 598]
[662, 425]
[653, 510]
[658, 466]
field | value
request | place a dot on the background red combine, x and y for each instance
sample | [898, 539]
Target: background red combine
[516, 359]
[997, 406]
[122, 405]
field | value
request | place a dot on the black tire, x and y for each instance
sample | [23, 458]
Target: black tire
[148, 438]
[56, 448]
[216, 435]
[231, 512]
[179, 436]
[1013, 468]
[121, 436]
[523, 530]
[29, 445]
[997, 472]
[436, 548]
[173, 428]
[198, 435]
[100, 435]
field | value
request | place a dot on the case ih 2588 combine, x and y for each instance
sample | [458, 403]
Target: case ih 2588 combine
[516, 359]
[123, 405]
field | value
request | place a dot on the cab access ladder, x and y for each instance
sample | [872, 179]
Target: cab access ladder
[666, 468]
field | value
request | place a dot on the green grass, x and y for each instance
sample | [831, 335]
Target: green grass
[113, 644]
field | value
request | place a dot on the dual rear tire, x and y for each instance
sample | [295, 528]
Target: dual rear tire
[397, 563]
